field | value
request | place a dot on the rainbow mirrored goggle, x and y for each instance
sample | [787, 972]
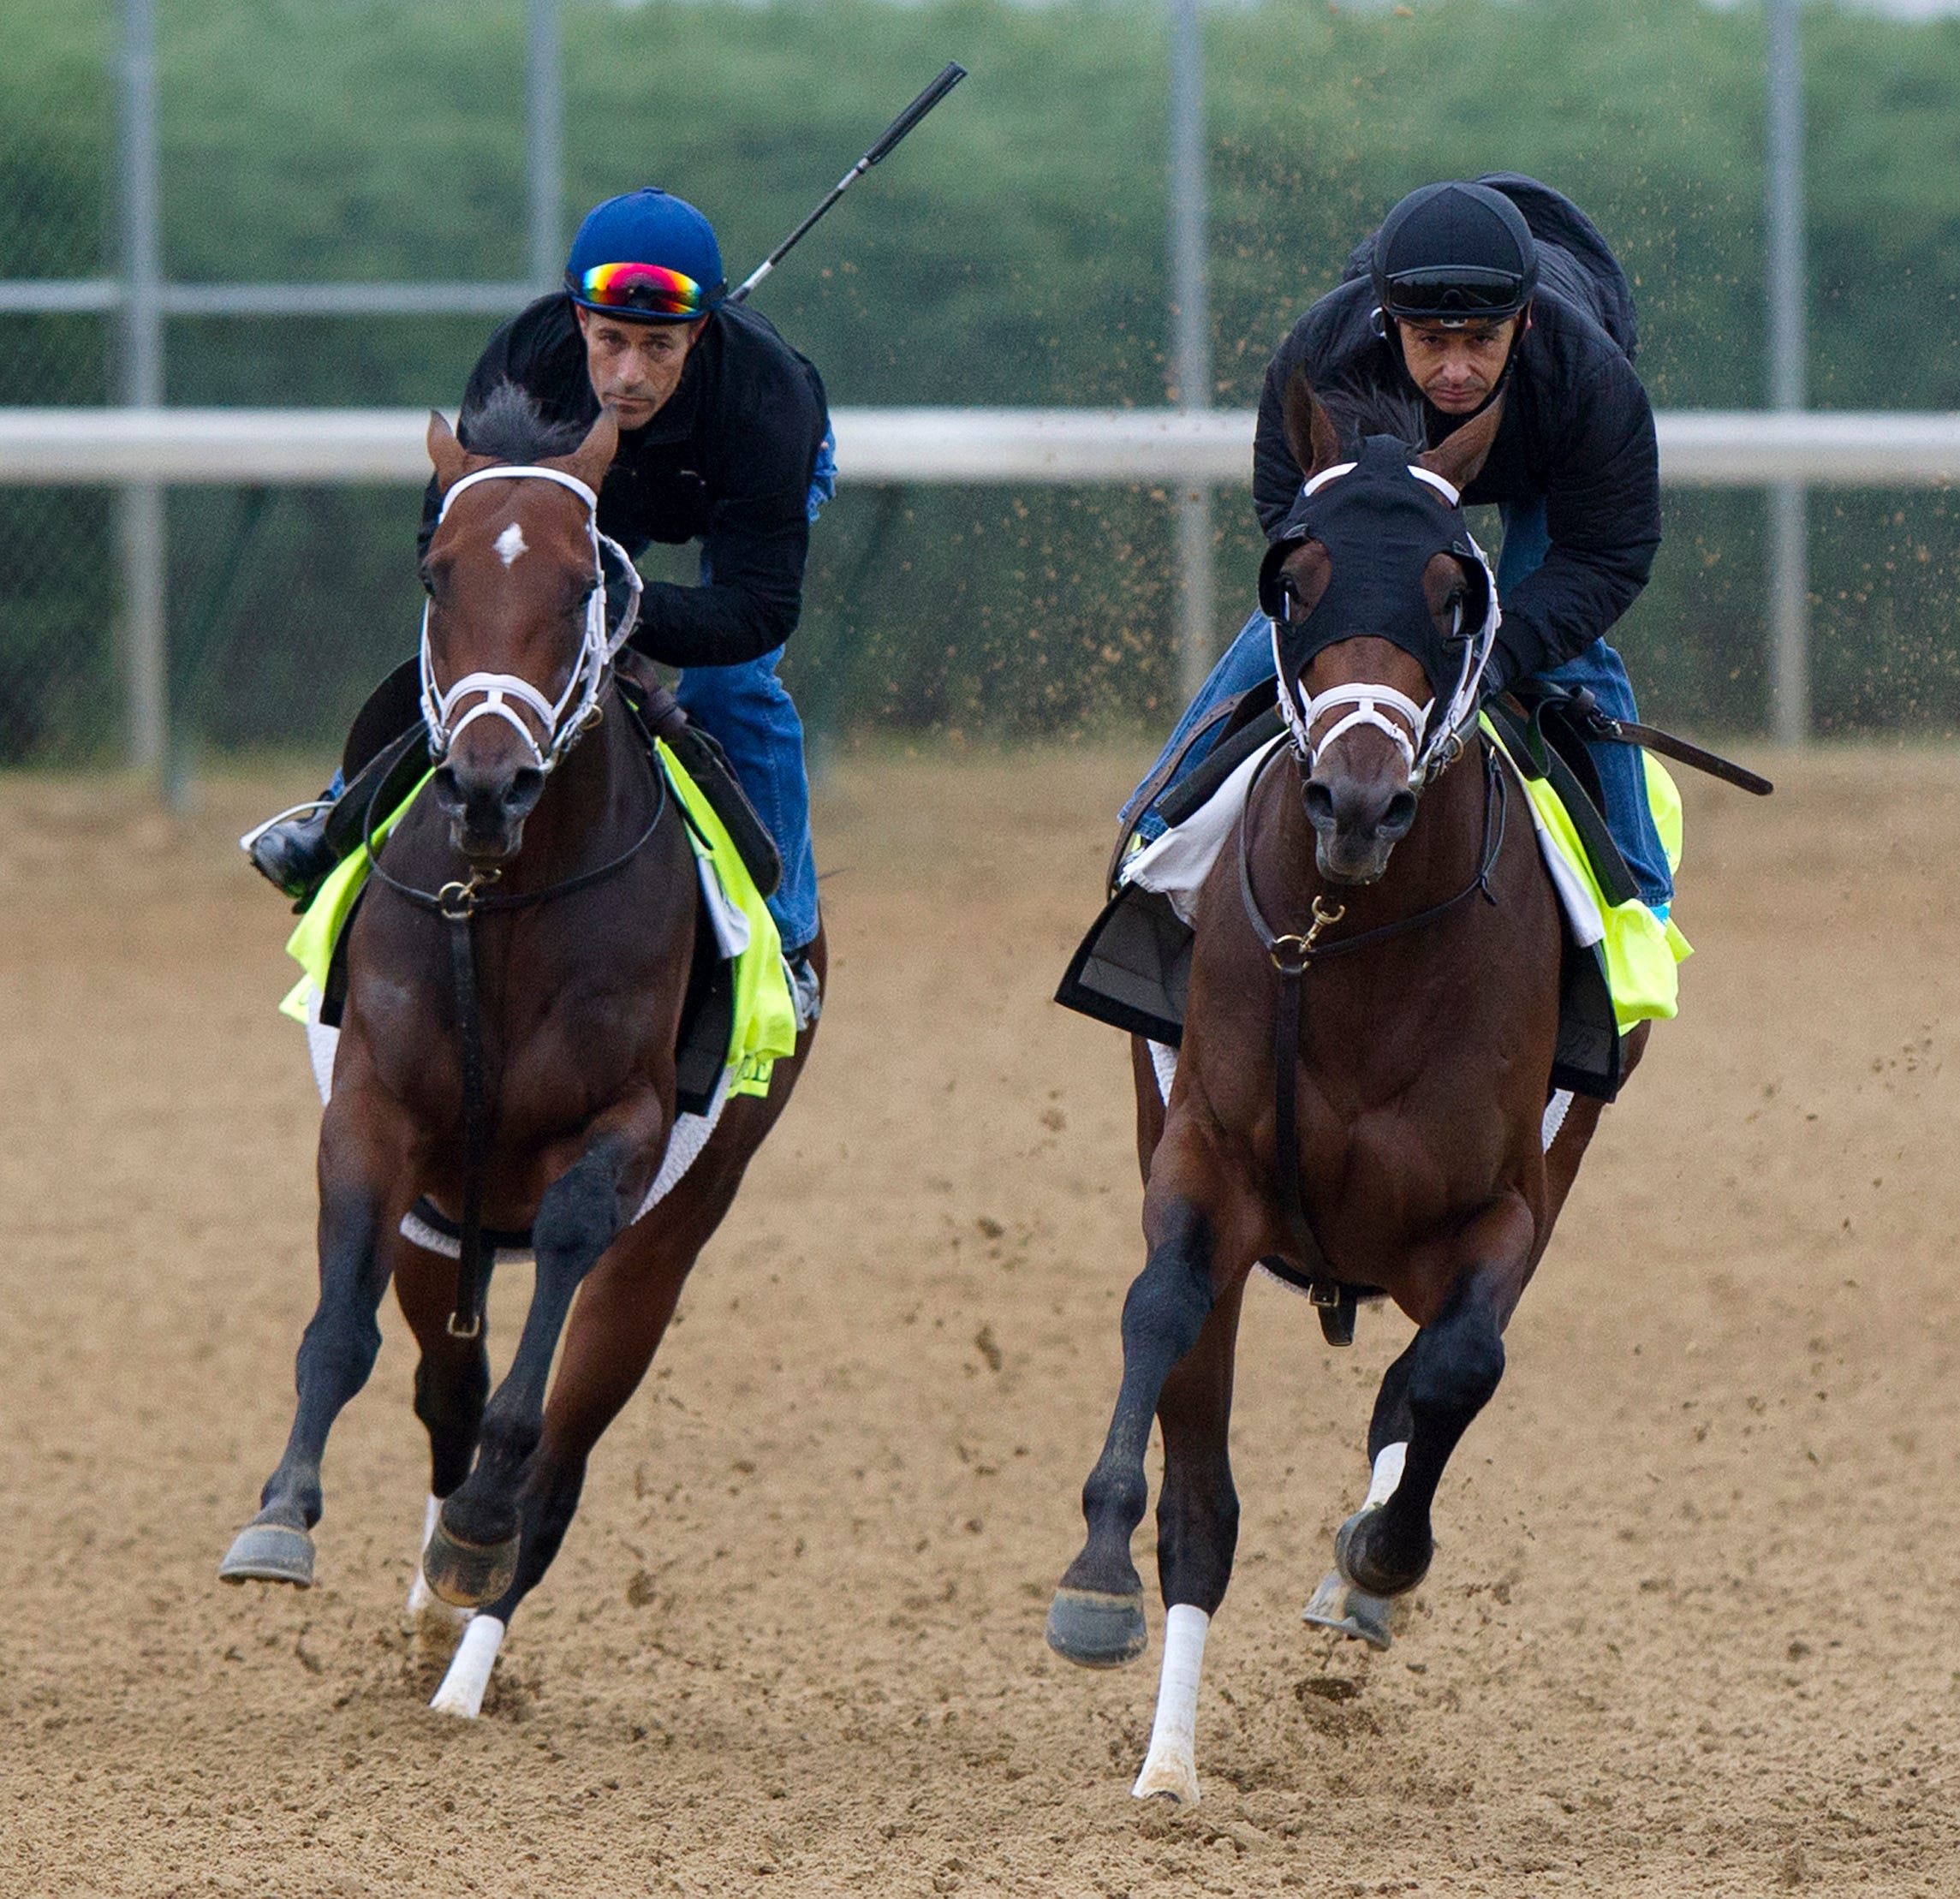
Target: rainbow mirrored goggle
[648, 289]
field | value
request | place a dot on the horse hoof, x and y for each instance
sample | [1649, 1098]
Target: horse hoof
[1360, 1563]
[1346, 1611]
[269, 1552]
[1096, 1630]
[466, 1575]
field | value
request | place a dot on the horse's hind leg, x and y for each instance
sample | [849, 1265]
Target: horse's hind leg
[1336, 1605]
[623, 1312]
[452, 1382]
[337, 1353]
[1454, 1366]
[1197, 1532]
[1097, 1617]
[473, 1554]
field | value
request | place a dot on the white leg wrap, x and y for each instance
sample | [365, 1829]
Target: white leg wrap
[1554, 1119]
[1387, 1475]
[461, 1692]
[1171, 1765]
[429, 1614]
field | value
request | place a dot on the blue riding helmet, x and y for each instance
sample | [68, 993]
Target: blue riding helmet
[646, 256]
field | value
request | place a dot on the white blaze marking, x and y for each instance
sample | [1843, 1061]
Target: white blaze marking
[510, 544]
[1171, 1765]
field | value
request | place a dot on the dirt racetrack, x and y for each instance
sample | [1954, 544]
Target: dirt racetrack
[1692, 1628]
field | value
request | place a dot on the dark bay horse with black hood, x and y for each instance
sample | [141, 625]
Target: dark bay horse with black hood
[1360, 1098]
[557, 863]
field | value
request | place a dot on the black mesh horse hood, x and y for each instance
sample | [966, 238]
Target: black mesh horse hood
[1381, 521]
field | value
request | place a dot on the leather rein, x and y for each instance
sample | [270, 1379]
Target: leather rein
[1292, 955]
[459, 903]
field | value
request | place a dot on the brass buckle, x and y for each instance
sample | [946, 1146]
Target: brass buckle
[1302, 948]
[458, 898]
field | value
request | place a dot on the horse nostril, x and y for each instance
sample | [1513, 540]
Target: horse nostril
[526, 786]
[1399, 816]
[1319, 805]
[449, 792]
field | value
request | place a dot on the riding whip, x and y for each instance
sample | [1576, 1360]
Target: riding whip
[953, 74]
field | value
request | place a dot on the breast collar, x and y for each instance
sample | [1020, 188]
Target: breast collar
[1382, 520]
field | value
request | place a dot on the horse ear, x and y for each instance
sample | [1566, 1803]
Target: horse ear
[1461, 453]
[449, 455]
[593, 456]
[1310, 431]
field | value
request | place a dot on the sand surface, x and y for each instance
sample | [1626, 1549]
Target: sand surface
[1691, 1629]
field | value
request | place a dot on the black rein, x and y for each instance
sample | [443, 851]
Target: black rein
[459, 903]
[1291, 957]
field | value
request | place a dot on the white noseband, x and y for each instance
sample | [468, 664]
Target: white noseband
[561, 719]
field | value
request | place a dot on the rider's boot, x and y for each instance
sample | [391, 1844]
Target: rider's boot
[297, 850]
[292, 851]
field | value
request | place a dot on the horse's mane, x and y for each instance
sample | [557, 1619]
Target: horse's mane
[1358, 409]
[507, 424]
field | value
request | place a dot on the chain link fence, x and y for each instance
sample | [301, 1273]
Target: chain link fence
[58, 688]
[1013, 254]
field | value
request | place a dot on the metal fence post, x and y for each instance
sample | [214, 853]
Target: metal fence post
[544, 132]
[1788, 549]
[139, 380]
[1190, 306]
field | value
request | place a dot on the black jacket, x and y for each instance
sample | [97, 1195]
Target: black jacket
[1577, 430]
[727, 460]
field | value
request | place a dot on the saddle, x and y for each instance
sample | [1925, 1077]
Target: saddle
[385, 782]
[1132, 970]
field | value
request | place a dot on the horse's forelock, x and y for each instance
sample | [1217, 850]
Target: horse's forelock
[509, 427]
[1359, 410]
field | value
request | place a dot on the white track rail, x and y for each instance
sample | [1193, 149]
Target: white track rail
[1698, 448]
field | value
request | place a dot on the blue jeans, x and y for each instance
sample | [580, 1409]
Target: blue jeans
[748, 710]
[1249, 663]
[1601, 671]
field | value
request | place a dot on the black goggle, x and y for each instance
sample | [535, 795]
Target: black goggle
[1463, 293]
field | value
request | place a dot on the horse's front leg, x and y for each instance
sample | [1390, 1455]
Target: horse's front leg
[1446, 1378]
[1196, 1221]
[364, 1155]
[1197, 1535]
[472, 1557]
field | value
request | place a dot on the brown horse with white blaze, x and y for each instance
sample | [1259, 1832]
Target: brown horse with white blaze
[1400, 1146]
[516, 976]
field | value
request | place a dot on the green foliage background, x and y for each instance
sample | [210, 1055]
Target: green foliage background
[1012, 253]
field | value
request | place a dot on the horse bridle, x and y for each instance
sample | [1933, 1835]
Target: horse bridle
[460, 901]
[563, 719]
[1423, 751]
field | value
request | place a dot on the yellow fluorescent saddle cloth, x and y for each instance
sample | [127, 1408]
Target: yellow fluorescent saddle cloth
[1640, 949]
[763, 1029]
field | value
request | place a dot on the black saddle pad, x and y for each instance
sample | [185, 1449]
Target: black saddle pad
[1133, 971]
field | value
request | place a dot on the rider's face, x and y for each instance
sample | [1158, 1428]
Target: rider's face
[1456, 369]
[635, 366]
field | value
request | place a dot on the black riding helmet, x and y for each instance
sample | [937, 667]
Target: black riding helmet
[1454, 254]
